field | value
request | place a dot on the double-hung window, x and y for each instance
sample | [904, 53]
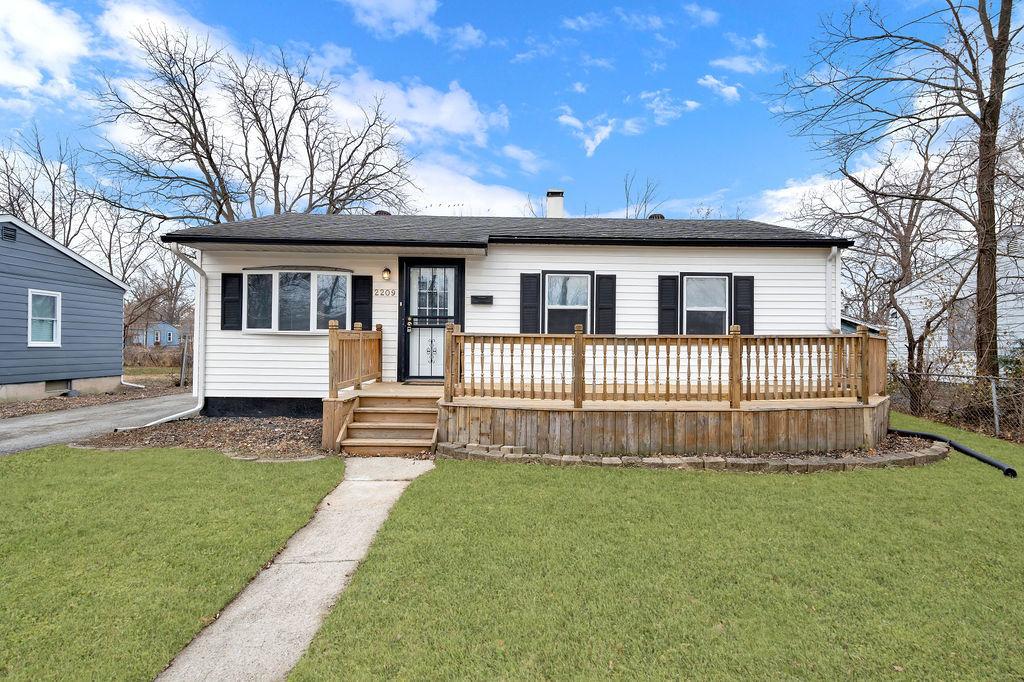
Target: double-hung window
[43, 318]
[295, 300]
[566, 302]
[706, 304]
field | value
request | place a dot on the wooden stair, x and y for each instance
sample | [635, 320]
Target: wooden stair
[399, 424]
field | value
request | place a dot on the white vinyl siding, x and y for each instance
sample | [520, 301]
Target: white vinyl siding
[789, 284]
[790, 298]
[287, 365]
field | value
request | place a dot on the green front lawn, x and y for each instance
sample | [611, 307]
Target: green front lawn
[110, 562]
[508, 571]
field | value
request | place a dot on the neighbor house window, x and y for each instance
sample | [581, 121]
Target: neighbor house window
[705, 304]
[566, 302]
[295, 301]
[43, 318]
[960, 335]
[170, 337]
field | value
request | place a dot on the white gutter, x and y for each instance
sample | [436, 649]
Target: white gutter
[832, 289]
[198, 346]
[838, 295]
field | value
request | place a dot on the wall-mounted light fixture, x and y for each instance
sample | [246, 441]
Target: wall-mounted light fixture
[386, 274]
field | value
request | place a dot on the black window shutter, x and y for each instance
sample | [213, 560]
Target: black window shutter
[529, 303]
[231, 300]
[743, 303]
[362, 300]
[605, 320]
[668, 304]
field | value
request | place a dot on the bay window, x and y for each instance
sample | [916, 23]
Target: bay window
[295, 300]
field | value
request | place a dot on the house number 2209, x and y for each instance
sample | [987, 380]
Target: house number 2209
[385, 292]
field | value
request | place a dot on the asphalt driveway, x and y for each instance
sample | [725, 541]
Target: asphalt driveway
[37, 430]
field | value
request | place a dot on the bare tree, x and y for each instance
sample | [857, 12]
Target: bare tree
[45, 190]
[951, 67]
[217, 138]
[899, 238]
[641, 199]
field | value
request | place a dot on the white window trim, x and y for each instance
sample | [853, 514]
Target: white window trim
[170, 337]
[56, 323]
[547, 306]
[714, 309]
[274, 293]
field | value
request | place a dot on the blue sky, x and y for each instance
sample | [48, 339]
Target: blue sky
[499, 101]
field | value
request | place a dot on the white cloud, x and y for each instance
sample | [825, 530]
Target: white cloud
[466, 37]
[528, 161]
[39, 45]
[779, 204]
[578, 88]
[639, 21]
[704, 16]
[331, 57]
[759, 41]
[664, 107]
[122, 19]
[730, 93]
[584, 22]
[632, 126]
[745, 63]
[443, 190]
[535, 48]
[597, 62]
[389, 18]
[427, 114]
[592, 133]
[566, 118]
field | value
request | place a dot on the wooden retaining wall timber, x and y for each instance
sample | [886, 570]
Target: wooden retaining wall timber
[567, 431]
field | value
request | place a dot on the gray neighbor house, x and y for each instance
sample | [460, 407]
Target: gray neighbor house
[60, 318]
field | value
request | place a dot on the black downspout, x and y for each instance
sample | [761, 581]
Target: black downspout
[1005, 468]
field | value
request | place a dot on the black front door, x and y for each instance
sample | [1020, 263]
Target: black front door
[432, 296]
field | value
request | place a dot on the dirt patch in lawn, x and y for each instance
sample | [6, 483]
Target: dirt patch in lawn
[155, 386]
[263, 437]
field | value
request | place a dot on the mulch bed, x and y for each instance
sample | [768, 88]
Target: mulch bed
[262, 437]
[891, 444]
[155, 386]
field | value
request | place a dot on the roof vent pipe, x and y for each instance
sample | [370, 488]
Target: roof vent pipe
[555, 207]
[656, 216]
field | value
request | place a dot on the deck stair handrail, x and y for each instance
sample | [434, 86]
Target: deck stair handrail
[354, 356]
[731, 367]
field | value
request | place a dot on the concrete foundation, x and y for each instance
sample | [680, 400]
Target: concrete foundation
[33, 390]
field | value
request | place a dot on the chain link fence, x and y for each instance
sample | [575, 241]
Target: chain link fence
[992, 405]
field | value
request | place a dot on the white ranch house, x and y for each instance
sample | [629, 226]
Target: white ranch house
[515, 291]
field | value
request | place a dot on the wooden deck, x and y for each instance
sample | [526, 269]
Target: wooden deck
[583, 394]
[647, 428]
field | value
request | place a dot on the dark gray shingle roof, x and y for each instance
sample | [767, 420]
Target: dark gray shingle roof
[472, 231]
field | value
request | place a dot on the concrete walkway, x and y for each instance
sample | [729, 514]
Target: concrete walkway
[65, 426]
[262, 634]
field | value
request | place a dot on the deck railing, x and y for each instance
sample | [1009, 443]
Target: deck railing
[730, 367]
[353, 356]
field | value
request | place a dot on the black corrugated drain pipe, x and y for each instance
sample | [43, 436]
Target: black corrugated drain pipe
[959, 447]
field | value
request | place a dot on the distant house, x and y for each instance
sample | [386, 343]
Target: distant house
[61, 318]
[848, 325]
[155, 335]
[951, 344]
